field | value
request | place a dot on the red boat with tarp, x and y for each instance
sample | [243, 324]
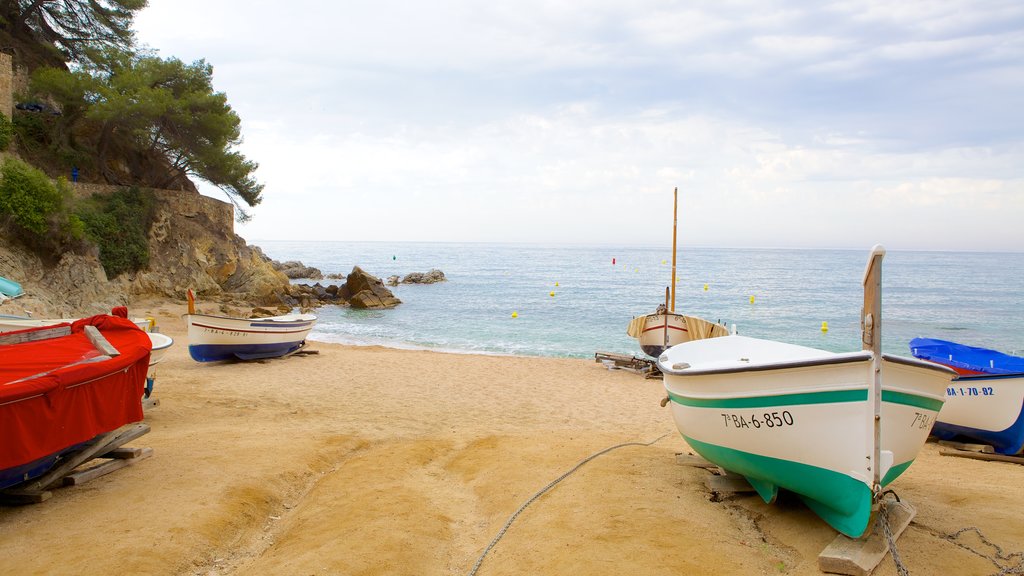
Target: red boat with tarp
[59, 390]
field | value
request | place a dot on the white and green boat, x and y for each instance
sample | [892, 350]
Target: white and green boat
[834, 428]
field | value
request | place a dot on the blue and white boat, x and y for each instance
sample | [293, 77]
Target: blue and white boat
[835, 428]
[212, 338]
[986, 402]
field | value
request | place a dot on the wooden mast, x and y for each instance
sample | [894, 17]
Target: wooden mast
[675, 206]
[871, 336]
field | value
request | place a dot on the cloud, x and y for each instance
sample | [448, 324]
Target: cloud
[783, 123]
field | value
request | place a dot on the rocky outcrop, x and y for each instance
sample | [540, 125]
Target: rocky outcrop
[360, 290]
[294, 270]
[190, 246]
[431, 277]
[363, 290]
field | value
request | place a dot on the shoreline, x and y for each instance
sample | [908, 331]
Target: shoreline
[375, 460]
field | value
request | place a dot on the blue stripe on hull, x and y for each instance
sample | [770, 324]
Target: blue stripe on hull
[1009, 441]
[215, 352]
[24, 472]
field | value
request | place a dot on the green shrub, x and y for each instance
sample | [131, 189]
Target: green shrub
[119, 225]
[28, 197]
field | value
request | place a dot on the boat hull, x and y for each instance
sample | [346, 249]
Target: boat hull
[986, 408]
[805, 423]
[980, 407]
[214, 338]
[661, 332]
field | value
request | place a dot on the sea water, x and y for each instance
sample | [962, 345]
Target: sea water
[573, 301]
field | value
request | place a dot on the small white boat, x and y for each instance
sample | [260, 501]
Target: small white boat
[665, 328]
[661, 330]
[834, 428]
[212, 338]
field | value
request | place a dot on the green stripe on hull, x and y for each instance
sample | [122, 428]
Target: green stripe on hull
[841, 501]
[911, 400]
[807, 398]
[778, 400]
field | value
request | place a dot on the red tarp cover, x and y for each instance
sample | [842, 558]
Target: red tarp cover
[47, 404]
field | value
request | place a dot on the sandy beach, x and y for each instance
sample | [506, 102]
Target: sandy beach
[367, 460]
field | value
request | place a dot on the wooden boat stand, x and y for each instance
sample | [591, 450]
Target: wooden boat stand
[109, 447]
[645, 366]
[977, 452]
[845, 555]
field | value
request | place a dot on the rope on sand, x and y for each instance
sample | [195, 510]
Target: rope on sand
[548, 487]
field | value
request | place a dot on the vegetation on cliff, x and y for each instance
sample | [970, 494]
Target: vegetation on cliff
[114, 114]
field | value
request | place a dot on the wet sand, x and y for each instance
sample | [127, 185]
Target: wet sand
[367, 460]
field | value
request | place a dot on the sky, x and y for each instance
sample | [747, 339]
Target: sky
[833, 124]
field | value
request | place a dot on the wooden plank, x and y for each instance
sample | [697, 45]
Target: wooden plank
[16, 496]
[35, 335]
[99, 342]
[105, 468]
[984, 448]
[102, 444]
[860, 556]
[728, 484]
[695, 461]
[124, 453]
[981, 456]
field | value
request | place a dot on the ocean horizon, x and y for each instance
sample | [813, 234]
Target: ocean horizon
[575, 300]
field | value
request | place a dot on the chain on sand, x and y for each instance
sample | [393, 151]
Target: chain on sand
[1007, 564]
[901, 568]
[549, 487]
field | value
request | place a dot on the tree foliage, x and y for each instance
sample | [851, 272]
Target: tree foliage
[137, 107]
[72, 26]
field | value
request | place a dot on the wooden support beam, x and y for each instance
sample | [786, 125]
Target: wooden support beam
[76, 478]
[728, 483]
[980, 456]
[98, 447]
[695, 461]
[17, 496]
[860, 556]
[984, 448]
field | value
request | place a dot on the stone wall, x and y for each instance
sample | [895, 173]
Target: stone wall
[6, 85]
[181, 202]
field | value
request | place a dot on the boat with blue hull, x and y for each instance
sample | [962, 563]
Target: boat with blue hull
[834, 428]
[986, 402]
[212, 338]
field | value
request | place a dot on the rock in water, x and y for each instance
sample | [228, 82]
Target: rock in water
[364, 290]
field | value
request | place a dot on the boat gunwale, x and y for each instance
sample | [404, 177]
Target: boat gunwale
[300, 319]
[841, 358]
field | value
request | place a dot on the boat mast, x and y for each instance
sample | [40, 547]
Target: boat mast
[871, 336]
[675, 206]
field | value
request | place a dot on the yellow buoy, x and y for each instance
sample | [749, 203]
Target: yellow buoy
[705, 287]
[824, 326]
[552, 293]
[515, 314]
[751, 299]
[663, 262]
[556, 284]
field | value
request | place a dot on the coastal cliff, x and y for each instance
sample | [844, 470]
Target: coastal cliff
[191, 244]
